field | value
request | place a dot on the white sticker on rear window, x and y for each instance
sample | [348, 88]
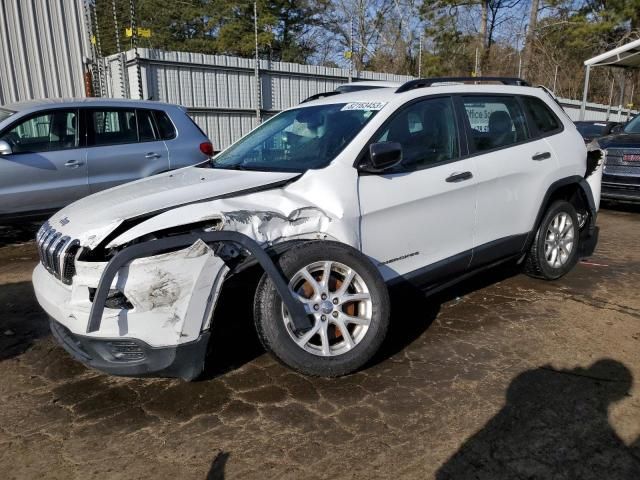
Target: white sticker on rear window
[364, 106]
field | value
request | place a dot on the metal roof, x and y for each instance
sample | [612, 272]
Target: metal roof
[626, 56]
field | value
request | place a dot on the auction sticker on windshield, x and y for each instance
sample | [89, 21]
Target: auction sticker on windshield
[364, 106]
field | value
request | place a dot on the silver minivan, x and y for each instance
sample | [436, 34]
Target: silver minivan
[53, 152]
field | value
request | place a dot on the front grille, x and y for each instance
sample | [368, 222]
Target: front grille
[57, 252]
[615, 157]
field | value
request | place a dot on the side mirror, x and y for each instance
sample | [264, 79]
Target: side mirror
[618, 128]
[5, 148]
[382, 156]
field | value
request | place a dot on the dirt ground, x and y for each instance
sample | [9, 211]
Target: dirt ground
[502, 377]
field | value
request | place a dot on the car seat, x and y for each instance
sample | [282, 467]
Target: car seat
[500, 129]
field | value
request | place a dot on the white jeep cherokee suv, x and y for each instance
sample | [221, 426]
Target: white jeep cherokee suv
[333, 200]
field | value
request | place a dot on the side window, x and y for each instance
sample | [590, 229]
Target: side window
[495, 121]
[542, 116]
[146, 127]
[427, 132]
[112, 127]
[53, 130]
[165, 126]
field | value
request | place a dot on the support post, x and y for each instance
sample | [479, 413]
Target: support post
[134, 41]
[420, 58]
[622, 87]
[124, 82]
[633, 86]
[613, 81]
[583, 105]
[351, 51]
[257, 62]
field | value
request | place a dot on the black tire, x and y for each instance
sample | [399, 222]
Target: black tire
[536, 264]
[277, 338]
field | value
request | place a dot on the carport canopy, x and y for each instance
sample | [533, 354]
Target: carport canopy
[626, 56]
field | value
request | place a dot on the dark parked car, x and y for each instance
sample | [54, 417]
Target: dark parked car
[592, 129]
[621, 175]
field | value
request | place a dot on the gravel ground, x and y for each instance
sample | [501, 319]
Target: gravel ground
[502, 377]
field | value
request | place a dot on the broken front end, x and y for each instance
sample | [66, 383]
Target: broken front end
[145, 308]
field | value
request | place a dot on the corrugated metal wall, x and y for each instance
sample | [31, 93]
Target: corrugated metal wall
[220, 91]
[42, 47]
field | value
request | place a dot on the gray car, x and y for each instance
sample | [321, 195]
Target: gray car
[53, 152]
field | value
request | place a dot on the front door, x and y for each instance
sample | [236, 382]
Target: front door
[47, 168]
[418, 217]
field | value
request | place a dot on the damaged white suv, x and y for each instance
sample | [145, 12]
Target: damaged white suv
[333, 200]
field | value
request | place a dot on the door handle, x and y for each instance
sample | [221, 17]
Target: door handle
[72, 163]
[459, 177]
[541, 156]
[152, 155]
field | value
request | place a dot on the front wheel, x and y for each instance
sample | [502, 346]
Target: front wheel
[554, 250]
[346, 298]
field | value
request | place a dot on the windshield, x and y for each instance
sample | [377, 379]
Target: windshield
[4, 114]
[300, 139]
[633, 126]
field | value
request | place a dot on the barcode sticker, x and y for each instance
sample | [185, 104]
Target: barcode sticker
[364, 106]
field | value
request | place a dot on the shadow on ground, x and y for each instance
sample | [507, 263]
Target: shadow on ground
[413, 311]
[234, 341]
[18, 233]
[216, 472]
[554, 425]
[22, 321]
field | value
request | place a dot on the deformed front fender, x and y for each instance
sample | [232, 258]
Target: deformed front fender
[595, 167]
[299, 318]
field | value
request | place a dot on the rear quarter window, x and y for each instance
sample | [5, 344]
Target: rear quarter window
[165, 125]
[543, 118]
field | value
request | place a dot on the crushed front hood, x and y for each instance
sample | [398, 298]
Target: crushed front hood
[94, 217]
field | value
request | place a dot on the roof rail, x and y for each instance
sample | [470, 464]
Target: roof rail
[428, 82]
[320, 95]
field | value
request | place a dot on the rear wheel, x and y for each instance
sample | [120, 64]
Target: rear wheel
[554, 250]
[346, 299]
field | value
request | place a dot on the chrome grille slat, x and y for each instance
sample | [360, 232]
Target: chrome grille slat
[46, 241]
[50, 249]
[60, 247]
[57, 252]
[45, 247]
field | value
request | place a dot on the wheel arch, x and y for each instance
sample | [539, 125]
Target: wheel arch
[573, 189]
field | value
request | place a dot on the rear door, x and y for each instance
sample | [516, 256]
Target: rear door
[417, 219]
[47, 169]
[123, 145]
[513, 170]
